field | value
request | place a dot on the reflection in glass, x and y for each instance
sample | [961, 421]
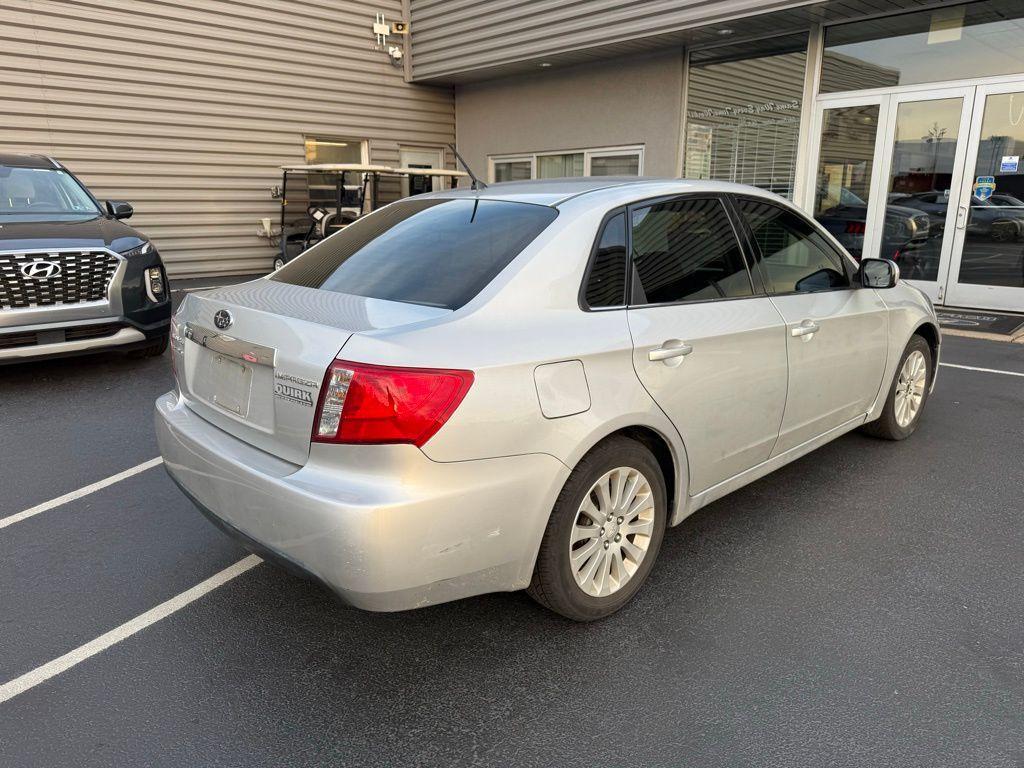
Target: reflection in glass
[844, 173]
[743, 113]
[952, 43]
[993, 252]
[923, 154]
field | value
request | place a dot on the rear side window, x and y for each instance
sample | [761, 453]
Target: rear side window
[606, 283]
[686, 250]
[439, 252]
[794, 257]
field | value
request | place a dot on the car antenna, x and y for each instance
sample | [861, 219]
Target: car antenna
[477, 184]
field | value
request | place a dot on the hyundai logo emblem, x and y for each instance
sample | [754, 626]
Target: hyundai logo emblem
[222, 319]
[40, 270]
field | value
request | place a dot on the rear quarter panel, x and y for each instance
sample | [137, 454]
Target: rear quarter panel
[528, 317]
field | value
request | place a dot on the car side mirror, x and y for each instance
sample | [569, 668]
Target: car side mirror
[120, 209]
[878, 273]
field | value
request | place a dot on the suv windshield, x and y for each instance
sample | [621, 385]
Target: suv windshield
[439, 252]
[42, 193]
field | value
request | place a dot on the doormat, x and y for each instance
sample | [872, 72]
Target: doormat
[986, 322]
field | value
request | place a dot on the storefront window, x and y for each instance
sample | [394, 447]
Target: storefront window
[743, 113]
[333, 151]
[557, 166]
[615, 165]
[952, 43]
[513, 170]
[602, 161]
[844, 173]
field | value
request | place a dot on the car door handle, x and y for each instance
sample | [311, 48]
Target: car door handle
[806, 329]
[671, 349]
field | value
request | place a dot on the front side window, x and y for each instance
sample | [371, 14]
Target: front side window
[685, 250]
[606, 281]
[40, 193]
[439, 252]
[794, 258]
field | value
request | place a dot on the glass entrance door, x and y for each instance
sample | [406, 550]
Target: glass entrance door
[987, 264]
[886, 172]
[923, 168]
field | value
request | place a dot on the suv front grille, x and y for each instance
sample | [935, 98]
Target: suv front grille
[75, 333]
[62, 277]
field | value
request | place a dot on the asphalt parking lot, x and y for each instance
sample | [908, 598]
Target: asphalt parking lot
[863, 606]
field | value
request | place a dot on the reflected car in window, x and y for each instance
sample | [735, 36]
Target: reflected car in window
[905, 228]
[524, 386]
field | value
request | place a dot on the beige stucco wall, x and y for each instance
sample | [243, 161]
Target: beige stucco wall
[626, 101]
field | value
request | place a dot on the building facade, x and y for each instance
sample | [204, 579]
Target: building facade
[898, 124]
[187, 109]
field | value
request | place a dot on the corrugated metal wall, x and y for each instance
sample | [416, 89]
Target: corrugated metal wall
[186, 108]
[452, 36]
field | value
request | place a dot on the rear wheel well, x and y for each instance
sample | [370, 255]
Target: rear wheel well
[657, 445]
[930, 333]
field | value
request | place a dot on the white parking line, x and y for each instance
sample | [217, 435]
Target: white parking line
[98, 485]
[983, 370]
[63, 663]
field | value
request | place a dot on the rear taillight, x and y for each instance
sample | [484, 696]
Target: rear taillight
[379, 404]
[855, 227]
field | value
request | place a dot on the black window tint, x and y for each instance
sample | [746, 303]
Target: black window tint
[793, 256]
[606, 284]
[686, 250]
[439, 252]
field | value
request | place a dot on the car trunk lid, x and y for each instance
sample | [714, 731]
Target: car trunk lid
[254, 355]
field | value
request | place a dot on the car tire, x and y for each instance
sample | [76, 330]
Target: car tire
[154, 349]
[559, 576]
[278, 263]
[908, 393]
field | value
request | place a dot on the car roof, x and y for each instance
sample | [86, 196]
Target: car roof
[554, 192]
[26, 161]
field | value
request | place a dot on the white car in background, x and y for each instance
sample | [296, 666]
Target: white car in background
[523, 386]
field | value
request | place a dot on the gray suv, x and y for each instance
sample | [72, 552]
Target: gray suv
[74, 279]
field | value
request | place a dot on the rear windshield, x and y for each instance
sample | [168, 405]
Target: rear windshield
[439, 252]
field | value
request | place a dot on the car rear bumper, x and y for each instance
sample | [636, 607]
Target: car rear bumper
[383, 526]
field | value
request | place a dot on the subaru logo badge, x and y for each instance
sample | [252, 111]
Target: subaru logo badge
[222, 319]
[40, 270]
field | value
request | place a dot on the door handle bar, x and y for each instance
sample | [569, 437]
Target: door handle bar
[667, 353]
[806, 328]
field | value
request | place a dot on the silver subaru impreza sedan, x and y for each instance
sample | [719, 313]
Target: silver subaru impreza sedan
[523, 386]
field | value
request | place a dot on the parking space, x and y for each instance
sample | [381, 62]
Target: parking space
[862, 606]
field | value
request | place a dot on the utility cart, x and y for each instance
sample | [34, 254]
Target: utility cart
[318, 200]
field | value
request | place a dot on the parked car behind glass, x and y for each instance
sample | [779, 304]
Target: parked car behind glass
[524, 386]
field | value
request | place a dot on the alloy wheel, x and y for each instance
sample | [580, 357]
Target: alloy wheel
[910, 388]
[612, 531]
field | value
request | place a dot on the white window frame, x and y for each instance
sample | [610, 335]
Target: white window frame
[493, 159]
[588, 154]
[364, 145]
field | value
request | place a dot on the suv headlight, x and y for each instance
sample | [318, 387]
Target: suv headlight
[138, 250]
[156, 284]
